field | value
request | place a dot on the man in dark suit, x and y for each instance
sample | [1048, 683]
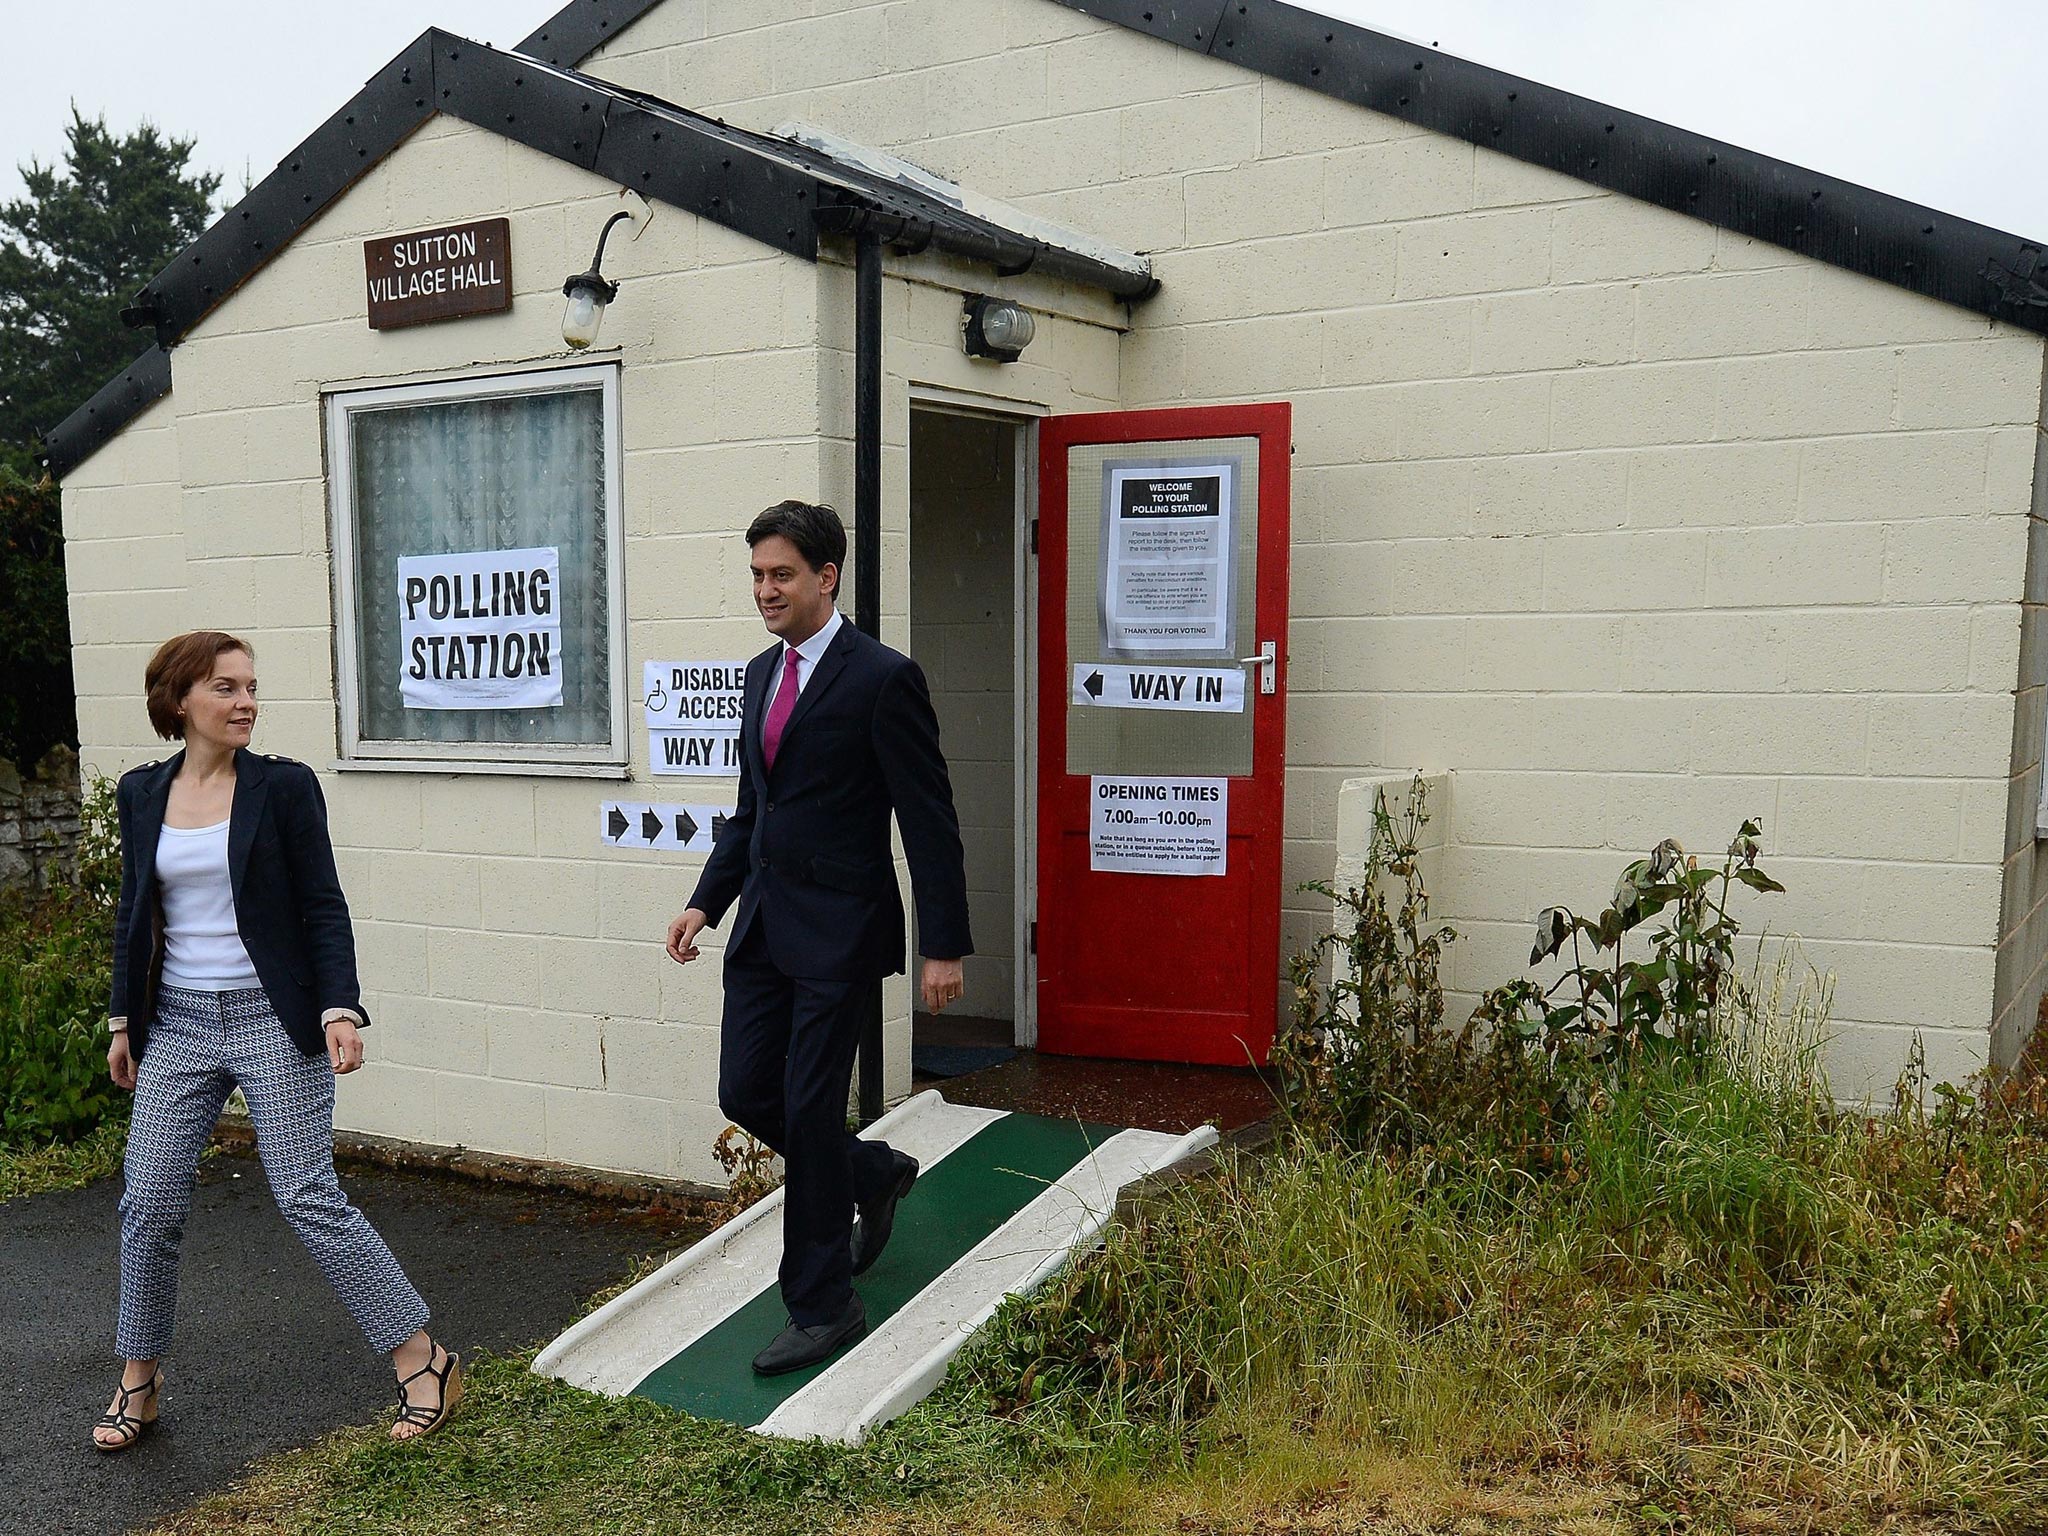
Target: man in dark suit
[837, 732]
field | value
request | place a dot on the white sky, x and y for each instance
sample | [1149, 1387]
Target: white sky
[1934, 100]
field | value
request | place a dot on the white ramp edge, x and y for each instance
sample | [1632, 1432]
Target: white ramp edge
[901, 1362]
[615, 1348]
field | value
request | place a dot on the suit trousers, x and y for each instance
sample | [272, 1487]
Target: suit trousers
[785, 1066]
[202, 1046]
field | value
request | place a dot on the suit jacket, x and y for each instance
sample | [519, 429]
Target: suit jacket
[806, 850]
[289, 908]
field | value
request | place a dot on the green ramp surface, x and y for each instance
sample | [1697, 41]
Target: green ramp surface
[953, 1206]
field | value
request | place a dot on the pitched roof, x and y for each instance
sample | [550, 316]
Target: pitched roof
[1919, 249]
[761, 184]
[783, 191]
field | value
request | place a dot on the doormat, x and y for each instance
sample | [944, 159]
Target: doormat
[957, 1060]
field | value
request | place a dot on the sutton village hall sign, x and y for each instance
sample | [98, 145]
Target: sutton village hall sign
[438, 274]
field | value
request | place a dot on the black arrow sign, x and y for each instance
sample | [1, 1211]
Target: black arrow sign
[1093, 685]
[650, 826]
[717, 827]
[618, 824]
[686, 827]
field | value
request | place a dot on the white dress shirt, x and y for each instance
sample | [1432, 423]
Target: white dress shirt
[812, 651]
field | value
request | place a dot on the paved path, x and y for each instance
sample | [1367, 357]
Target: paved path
[266, 1358]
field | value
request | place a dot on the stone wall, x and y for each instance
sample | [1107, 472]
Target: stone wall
[39, 820]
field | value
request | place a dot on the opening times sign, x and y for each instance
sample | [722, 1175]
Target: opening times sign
[1146, 826]
[1167, 539]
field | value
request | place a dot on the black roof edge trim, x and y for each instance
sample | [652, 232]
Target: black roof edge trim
[118, 401]
[1973, 266]
[394, 102]
[759, 186]
[275, 208]
[580, 28]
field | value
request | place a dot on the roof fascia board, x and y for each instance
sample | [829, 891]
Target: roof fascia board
[664, 155]
[580, 28]
[391, 105]
[116, 403]
[395, 101]
[1919, 249]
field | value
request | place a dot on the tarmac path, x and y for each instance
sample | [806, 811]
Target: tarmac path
[266, 1359]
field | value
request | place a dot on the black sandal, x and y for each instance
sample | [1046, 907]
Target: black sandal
[449, 1375]
[130, 1427]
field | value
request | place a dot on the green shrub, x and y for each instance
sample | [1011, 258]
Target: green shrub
[56, 952]
[1725, 1295]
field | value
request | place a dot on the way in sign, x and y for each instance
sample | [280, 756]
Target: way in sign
[1202, 690]
[675, 828]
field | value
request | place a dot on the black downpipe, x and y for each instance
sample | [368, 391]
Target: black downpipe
[867, 552]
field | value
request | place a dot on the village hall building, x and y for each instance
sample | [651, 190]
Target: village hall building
[1229, 404]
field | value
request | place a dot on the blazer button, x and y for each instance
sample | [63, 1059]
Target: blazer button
[764, 863]
[770, 806]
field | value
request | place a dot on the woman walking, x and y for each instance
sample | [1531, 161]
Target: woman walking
[234, 967]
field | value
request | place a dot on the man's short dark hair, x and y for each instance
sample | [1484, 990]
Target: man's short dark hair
[813, 528]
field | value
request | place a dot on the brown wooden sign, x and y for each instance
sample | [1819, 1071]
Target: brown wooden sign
[438, 274]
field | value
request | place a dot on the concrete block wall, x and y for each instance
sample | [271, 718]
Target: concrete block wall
[513, 966]
[2022, 971]
[1641, 526]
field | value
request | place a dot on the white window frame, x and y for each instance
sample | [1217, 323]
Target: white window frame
[499, 757]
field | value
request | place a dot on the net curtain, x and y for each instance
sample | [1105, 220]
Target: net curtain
[455, 477]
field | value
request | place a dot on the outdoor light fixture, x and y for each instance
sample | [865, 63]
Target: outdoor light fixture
[588, 294]
[997, 328]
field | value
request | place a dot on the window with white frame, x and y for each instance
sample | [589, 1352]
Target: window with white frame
[478, 560]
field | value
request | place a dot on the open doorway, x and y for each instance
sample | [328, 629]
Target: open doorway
[968, 630]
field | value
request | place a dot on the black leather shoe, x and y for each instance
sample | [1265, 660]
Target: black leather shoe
[794, 1347]
[878, 1220]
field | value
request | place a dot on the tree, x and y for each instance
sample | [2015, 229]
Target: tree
[72, 254]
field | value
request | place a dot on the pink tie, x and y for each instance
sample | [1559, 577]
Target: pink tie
[783, 707]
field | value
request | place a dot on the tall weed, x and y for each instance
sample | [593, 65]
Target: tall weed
[1721, 1293]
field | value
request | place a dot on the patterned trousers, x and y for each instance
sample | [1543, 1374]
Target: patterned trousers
[202, 1045]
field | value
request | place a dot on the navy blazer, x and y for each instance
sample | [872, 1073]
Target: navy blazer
[806, 850]
[289, 908]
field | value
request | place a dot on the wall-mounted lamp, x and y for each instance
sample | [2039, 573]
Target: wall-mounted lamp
[588, 294]
[997, 328]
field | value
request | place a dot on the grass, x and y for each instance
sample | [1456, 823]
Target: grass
[36, 1170]
[1717, 1304]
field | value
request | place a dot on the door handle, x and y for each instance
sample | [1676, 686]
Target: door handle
[1268, 663]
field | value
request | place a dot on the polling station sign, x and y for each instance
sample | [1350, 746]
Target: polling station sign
[481, 630]
[693, 711]
[1168, 531]
[1147, 826]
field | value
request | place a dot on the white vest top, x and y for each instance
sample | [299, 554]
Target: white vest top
[202, 946]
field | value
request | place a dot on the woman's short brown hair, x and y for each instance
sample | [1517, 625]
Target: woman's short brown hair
[179, 663]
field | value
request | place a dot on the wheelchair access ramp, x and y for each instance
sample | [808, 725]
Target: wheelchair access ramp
[1002, 1201]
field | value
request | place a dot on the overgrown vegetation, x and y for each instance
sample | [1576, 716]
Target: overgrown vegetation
[56, 950]
[1616, 1225]
[1569, 1276]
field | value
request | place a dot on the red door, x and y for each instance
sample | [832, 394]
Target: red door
[1163, 543]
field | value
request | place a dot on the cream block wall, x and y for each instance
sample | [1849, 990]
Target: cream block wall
[512, 967]
[1640, 526]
